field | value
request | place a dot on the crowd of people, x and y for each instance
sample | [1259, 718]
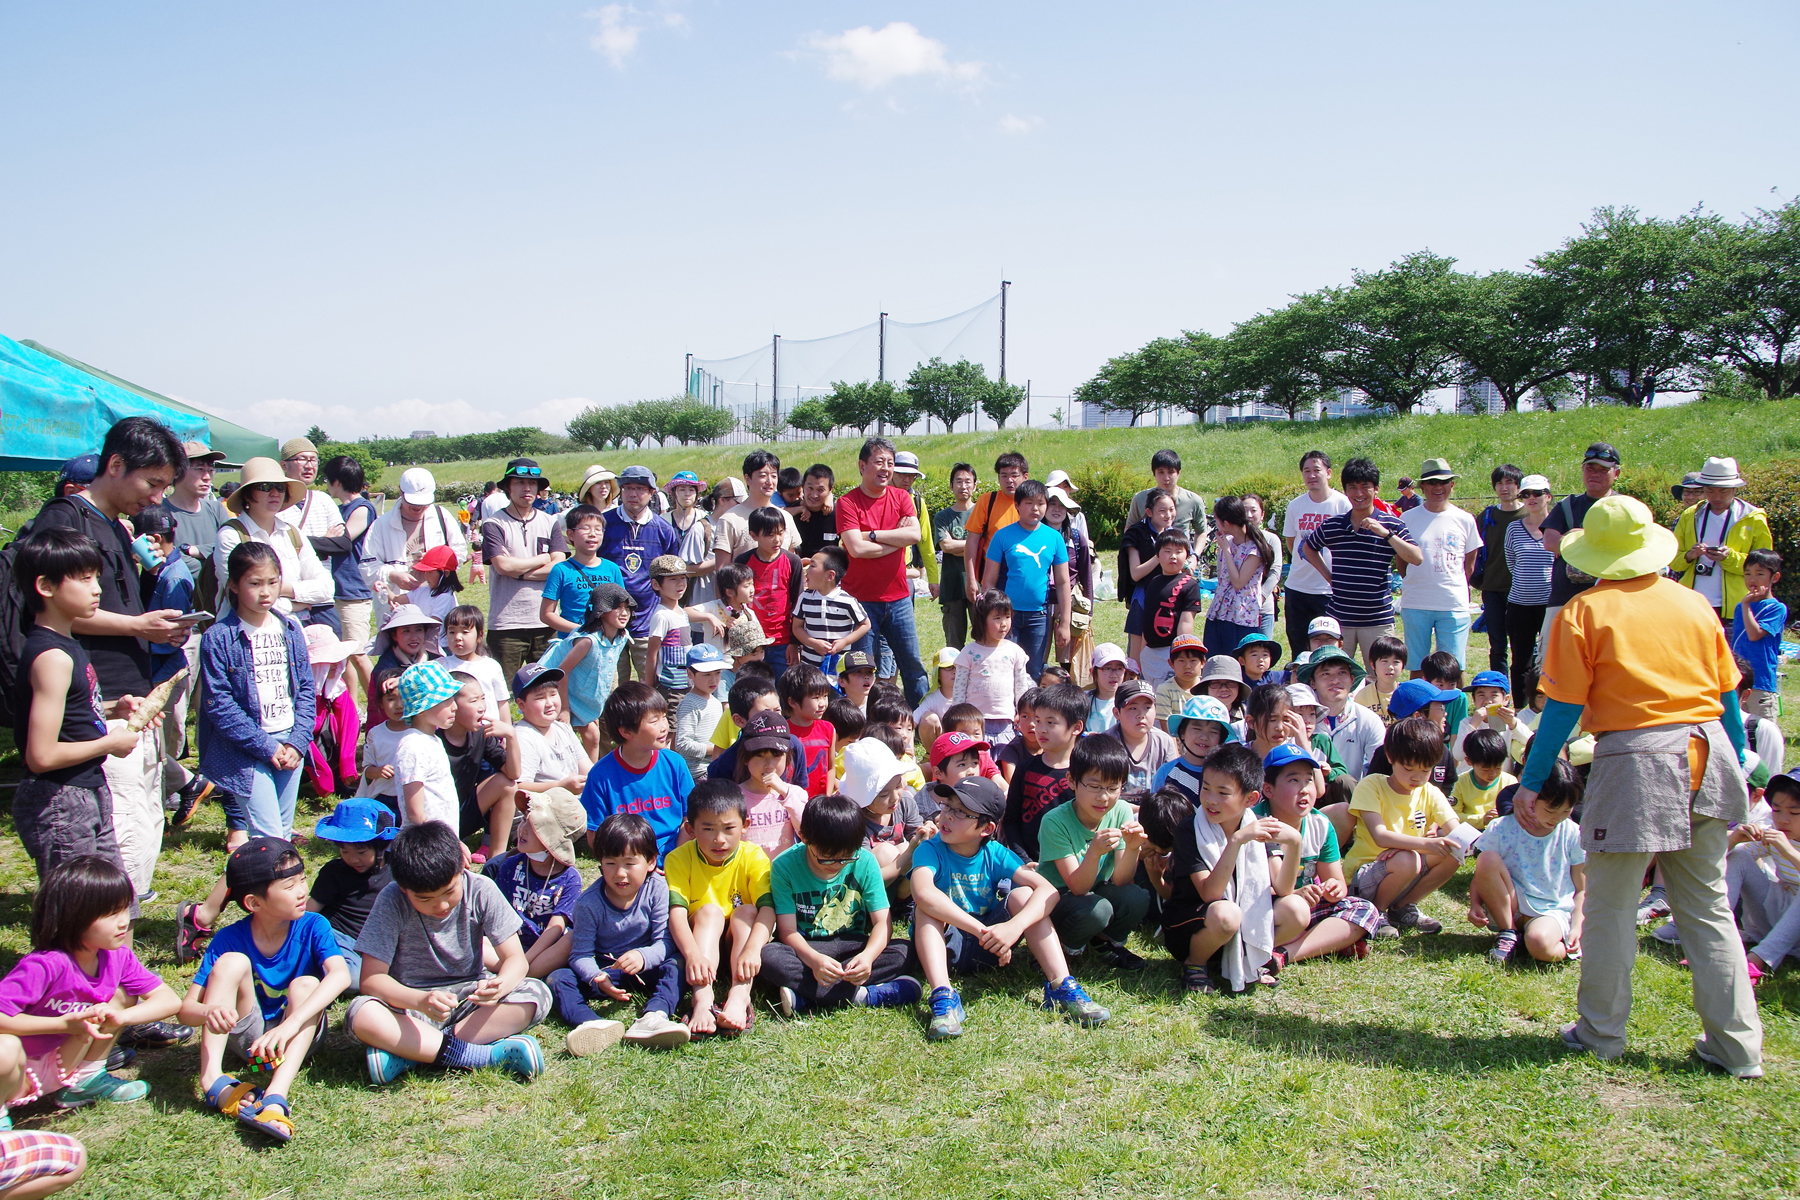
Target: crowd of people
[718, 694]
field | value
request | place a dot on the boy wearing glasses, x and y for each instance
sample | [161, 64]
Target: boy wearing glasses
[1089, 847]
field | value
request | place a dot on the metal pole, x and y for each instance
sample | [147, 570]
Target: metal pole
[687, 382]
[881, 353]
[1028, 404]
[775, 378]
[1004, 284]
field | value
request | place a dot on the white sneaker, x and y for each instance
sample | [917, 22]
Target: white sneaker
[1703, 1053]
[1667, 934]
[591, 1037]
[657, 1031]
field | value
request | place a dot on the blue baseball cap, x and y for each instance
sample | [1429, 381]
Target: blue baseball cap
[359, 819]
[1415, 694]
[643, 475]
[705, 658]
[1491, 679]
[80, 469]
[1284, 754]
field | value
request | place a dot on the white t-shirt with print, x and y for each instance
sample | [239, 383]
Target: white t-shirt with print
[548, 757]
[1444, 538]
[1302, 517]
[269, 665]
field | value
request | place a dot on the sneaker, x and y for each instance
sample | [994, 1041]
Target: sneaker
[1118, 956]
[946, 1014]
[189, 799]
[1408, 916]
[189, 933]
[1655, 905]
[591, 1037]
[1385, 930]
[1197, 981]
[1667, 934]
[790, 1002]
[157, 1035]
[657, 1031]
[1505, 942]
[519, 1054]
[103, 1086]
[146, 899]
[1074, 1002]
[1705, 1056]
[120, 1058]
[385, 1067]
[895, 993]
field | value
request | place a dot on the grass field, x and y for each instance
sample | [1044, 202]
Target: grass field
[1424, 1070]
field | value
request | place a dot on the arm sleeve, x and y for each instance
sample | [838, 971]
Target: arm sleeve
[581, 937]
[1554, 727]
[658, 950]
[1733, 720]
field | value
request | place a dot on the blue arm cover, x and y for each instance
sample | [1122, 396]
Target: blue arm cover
[1733, 720]
[1554, 727]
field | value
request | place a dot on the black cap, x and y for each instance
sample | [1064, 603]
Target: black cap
[979, 794]
[252, 865]
[1601, 452]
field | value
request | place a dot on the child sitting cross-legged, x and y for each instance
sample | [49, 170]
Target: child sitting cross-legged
[540, 881]
[1201, 725]
[1401, 852]
[344, 890]
[1042, 780]
[1090, 848]
[964, 921]
[1387, 670]
[1476, 796]
[621, 945]
[772, 805]
[720, 913]
[833, 923]
[1529, 880]
[1762, 877]
[264, 985]
[426, 995]
[1316, 914]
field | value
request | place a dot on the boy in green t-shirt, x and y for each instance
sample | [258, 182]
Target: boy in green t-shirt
[1088, 848]
[832, 920]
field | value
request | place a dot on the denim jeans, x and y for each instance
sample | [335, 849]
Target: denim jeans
[776, 657]
[269, 808]
[893, 620]
[1449, 625]
[1031, 630]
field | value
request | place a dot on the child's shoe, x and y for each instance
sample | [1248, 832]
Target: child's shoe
[519, 1054]
[270, 1117]
[1385, 929]
[157, 1035]
[591, 1037]
[102, 1087]
[1505, 942]
[1667, 934]
[1074, 1002]
[1197, 981]
[895, 993]
[657, 1031]
[385, 1067]
[1408, 916]
[1118, 956]
[946, 1015]
[190, 935]
[1654, 905]
[790, 1002]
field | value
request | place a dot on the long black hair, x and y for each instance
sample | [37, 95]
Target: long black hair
[76, 893]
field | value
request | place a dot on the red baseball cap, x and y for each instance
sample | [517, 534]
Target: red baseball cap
[438, 558]
[954, 742]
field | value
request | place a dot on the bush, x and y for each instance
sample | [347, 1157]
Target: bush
[1774, 487]
[371, 465]
[1654, 489]
[1275, 490]
[1105, 490]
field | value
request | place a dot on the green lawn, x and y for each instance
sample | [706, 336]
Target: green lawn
[1424, 1070]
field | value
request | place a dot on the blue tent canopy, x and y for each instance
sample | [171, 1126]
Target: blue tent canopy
[50, 412]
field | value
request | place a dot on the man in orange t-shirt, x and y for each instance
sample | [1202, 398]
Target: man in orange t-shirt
[1642, 662]
[992, 513]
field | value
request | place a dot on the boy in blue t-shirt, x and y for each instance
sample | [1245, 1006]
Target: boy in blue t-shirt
[1756, 631]
[573, 580]
[973, 900]
[1035, 556]
[639, 775]
[264, 985]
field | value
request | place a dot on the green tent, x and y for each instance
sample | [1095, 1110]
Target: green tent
[237, 442]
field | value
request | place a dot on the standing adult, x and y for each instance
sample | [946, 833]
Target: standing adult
[599, 487]
[1308, 591]
[493, 499]
[1713, 538]
[908, 474]
[816, 518]
[1641, 662]
[351, 571]
[686, 518]
[1435, 594]
[520, 544]
[1490, 565]
[316, 516]
[762, 477]
[950, 536]
[1059, 478]
[198, 515]
[264, 493]
[1529, 564]
[401, 535]
[1190, 508]
[1599, 471]
[991, 513]
[1409, 499]
[139, 460]
[635, 537]
[876, 523]
[1362, 542]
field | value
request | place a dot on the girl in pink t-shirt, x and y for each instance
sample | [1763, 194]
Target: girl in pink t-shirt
[58, 1016]
[772, 805]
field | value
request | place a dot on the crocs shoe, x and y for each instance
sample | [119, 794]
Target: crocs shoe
[102, 1087]
[519, 1054]
[946, 1015]
[1073, 1002]
[657, 1031]
[385, 1067]
[591, 1037]
[895, 993]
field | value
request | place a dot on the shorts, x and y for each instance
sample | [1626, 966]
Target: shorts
[965, 953]
[44, 1076]
[470, 819]
[60, 821]
[356, 617]
[1359, 912]
[1134, 619]
[30, 1154]
[251, 1026]
[1180, 925]
[534, 992]
[1522, 918]
[1368, 878]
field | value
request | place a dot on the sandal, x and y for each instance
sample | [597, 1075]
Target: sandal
[727, 1030]
[228, 1094]
[270, 1115]
[189, 933]
[1197, 981]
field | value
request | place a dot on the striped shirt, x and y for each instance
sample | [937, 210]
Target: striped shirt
[827, 616]
[1360, 593]
[1530, 565]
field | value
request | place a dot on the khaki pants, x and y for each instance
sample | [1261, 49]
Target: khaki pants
[1766, 705]
[1695, 878]
[1360, 639]
[173, 734]
[635, 664]
[136, 785]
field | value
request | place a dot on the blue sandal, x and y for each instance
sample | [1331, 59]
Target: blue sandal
[228, 1094]
[269, 1115]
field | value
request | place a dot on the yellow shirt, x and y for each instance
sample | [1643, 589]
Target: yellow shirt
[1638, 653]
[741, 879]
[725, 733]
[1411, 813]
[1470, 801]
[1371, 697]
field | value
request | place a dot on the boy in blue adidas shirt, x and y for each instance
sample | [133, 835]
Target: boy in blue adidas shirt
[1756, 632]
[966, 921]
[642, 774]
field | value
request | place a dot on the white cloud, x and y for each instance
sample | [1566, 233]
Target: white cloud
[622, 25]
[286, 418]
[872, 58]
[1019, 126]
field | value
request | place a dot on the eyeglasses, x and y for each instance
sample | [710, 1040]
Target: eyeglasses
[835, 862]
[302, 458]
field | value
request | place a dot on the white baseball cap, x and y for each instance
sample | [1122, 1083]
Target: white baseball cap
[417, 486]
[1324, 625]
[869, 766]
[1534, 483]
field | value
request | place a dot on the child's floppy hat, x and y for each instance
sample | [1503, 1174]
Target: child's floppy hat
[1301, 696]
[607, 596]
[954, 742]
[746, 637]
[534, 675]
[1414, 695]
[324, 648]
[868, 767]
[1202, 708]
[425, 685]
[1618, 539]
[358, 819]
[1328, 654]
[705, 657]
[1259, 639]
[556, 815]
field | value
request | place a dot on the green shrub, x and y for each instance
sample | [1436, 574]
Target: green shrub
[1654, 489]
[1105, 490]
[1775, 488]
[1275, 490]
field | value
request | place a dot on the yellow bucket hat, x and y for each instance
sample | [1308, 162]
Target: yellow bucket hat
[1618, 539]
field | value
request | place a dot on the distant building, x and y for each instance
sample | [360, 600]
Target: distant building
[424, 433]
[1095, 417]
[1478, 397]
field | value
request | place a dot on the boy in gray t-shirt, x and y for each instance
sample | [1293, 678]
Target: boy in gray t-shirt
[426, 995]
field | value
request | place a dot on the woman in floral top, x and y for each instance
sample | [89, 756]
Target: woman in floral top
[1244, 548]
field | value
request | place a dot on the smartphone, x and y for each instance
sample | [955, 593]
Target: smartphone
[192, 618]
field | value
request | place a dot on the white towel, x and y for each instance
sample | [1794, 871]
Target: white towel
[1251, 891]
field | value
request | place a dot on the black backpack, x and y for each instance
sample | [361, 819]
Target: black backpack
[15, 623]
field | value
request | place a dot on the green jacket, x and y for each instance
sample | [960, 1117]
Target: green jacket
[1747, 533]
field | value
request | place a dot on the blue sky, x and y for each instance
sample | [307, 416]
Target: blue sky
[389, 216]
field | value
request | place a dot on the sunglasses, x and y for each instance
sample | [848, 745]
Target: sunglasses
[267, 487]
[1533, 492]
[524, 472]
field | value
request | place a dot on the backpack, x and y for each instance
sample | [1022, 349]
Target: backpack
[206, 588]
[15, 623]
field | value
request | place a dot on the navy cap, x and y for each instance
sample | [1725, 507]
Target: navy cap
[531, 675]
[643, 475]
[252, 865]
[80, 469]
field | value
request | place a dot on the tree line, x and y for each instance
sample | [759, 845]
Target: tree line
[1631, 307]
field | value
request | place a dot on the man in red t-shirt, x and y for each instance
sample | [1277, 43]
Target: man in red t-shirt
[876, 524]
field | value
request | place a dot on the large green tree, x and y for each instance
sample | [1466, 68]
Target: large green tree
[1269, 358]
[859, 405]
[1385, 334]
[947, 391]
[814, 416]
[696, 421]
[1000, 401]
[1750, 286]
[1140, 382]
[1512, 330]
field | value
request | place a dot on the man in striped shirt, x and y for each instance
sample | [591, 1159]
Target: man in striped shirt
[1363, 544]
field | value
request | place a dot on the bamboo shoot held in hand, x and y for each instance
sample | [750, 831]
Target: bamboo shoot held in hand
[153, 704]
